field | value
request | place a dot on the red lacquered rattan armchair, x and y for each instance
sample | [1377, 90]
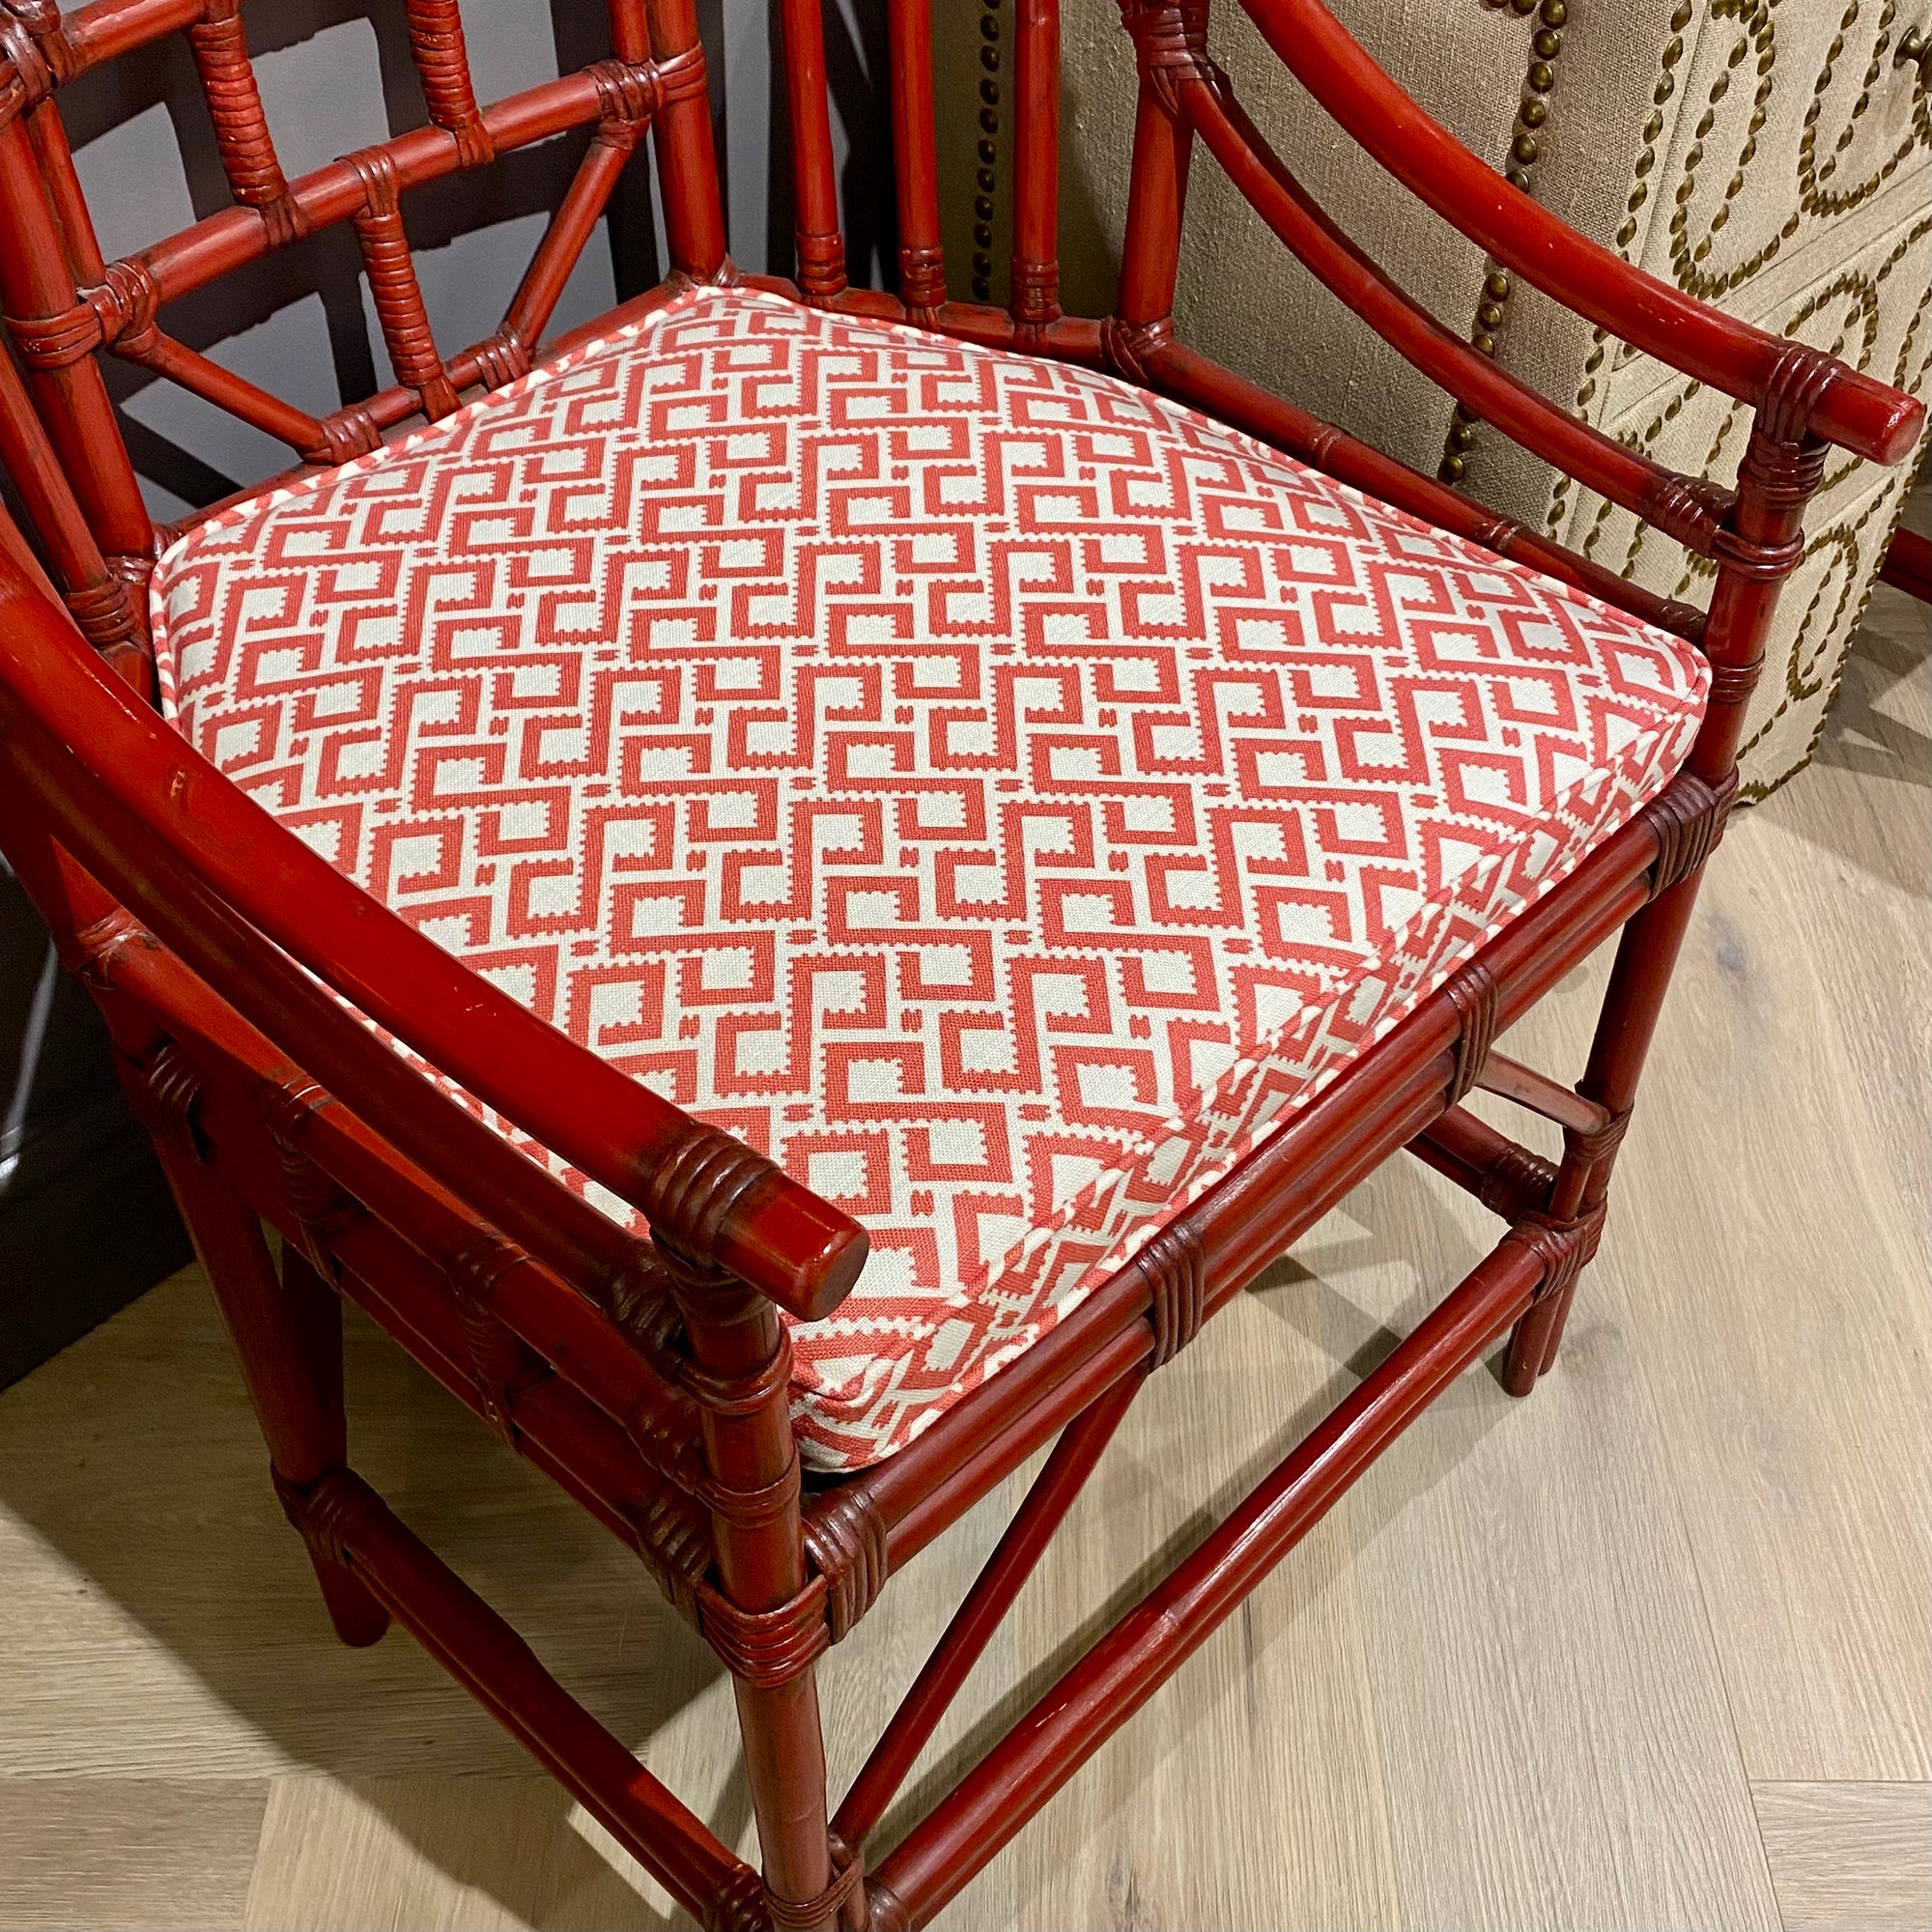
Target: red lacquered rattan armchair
[634, 822]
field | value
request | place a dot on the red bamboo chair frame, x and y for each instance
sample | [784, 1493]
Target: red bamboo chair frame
[649, 1376]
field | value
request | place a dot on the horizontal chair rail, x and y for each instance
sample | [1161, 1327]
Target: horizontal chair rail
[1850, 409]
[117, 312]
[332, 194]
[1672, 504]
[1376, 1106]
[1505, 1177]
[1511, 1080]
[1124, 1668]
[501, 1670]
[105, 29]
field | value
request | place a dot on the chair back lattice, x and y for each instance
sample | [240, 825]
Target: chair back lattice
[64, 302]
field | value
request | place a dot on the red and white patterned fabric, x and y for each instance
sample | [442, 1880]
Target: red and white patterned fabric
[998, 794]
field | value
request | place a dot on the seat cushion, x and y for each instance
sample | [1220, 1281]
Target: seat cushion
[998, 794]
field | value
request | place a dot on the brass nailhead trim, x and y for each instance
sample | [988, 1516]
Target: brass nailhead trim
[1492, 307]
[987, 180]
[1756, 29]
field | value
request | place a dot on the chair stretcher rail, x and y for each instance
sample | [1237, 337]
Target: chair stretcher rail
[1854, 410]
[1375, 1107]
[1076, 1456]
[1506, 1177]
[1124, 1668]
[501, 1670]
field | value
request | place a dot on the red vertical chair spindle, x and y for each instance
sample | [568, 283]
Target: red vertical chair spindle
[503, 1366]
[443, 61]
[1646, 956]
[915, 159]
[38, 58]
[1166, 38]
[687, 188]
[17, 551]
[821, 247]
[219, 44]
[394, 288]
[100, 604]
[48, 134]
[1033, 300]
[313, 1319]
[630, 32]
[104, 600]
[1762, 543]
[36, 286]
[287, 1333]
[740, 1375]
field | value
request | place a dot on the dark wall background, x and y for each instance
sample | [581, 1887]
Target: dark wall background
[85, 1219]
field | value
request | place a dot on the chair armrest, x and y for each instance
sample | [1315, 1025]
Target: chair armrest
[1827, 398]
[711, 1195]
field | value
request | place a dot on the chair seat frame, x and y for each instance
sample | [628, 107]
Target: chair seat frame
[649, 1374]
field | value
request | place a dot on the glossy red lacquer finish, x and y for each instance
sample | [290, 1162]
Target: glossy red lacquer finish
[649, 1376]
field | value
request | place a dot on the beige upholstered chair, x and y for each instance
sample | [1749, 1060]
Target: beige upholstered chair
[1770, 156]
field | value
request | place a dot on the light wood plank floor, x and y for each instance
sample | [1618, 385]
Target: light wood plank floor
[1648, 1650]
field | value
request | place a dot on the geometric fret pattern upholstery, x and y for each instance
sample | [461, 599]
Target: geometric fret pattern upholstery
[998, 794]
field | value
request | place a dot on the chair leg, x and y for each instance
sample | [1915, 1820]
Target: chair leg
[1534, 1341]
[759, 1619]
[784, 1764]
[287, 1335]
[1631, 1002]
